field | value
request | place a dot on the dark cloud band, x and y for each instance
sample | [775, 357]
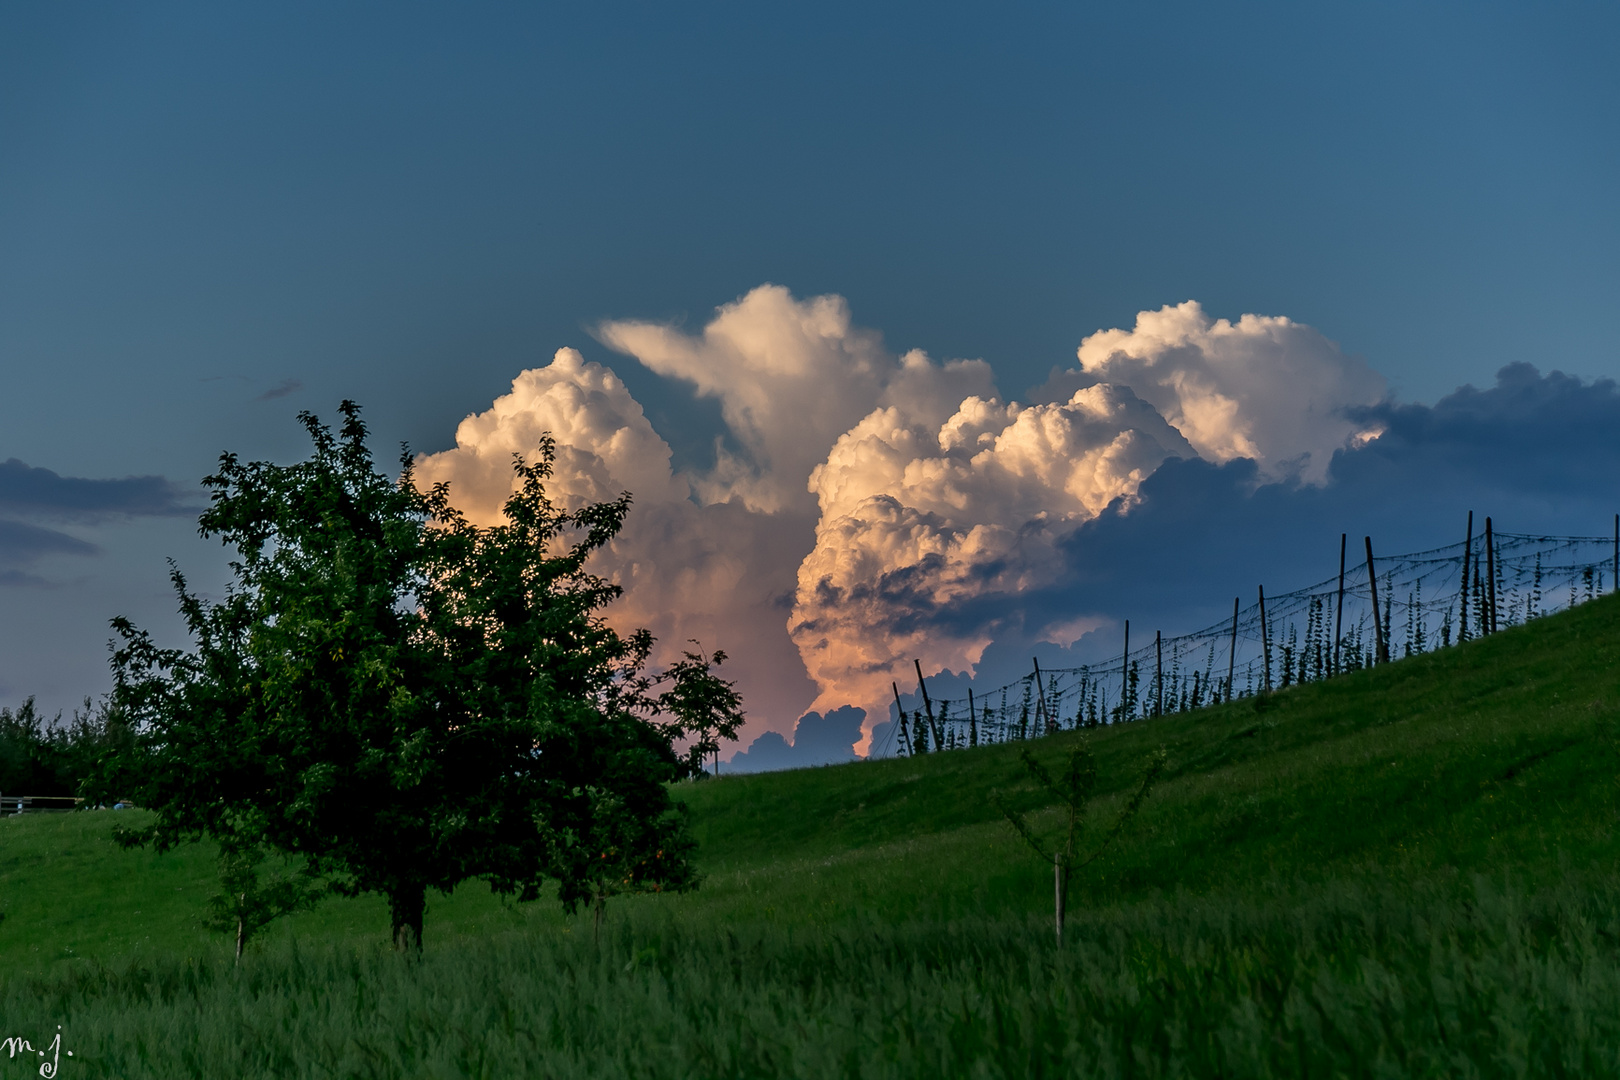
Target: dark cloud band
[25, 489]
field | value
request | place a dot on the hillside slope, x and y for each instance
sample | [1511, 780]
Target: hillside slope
[1500, 756]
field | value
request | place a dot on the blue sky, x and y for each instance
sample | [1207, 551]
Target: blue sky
[212, 216]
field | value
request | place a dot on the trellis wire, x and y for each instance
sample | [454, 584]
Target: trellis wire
[1308, 635]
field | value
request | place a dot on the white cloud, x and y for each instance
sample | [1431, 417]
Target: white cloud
[791, 376]
[919, 515]
[714, 573]
[1264, 387]
[875, 500]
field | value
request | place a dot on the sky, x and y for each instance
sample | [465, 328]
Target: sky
[914, 330]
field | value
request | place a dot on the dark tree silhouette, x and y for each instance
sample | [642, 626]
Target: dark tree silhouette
[399, 698]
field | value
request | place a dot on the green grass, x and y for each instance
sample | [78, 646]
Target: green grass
[1406, 871]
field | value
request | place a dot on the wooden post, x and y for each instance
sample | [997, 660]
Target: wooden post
[1378, 620]
[1616, 585]
[1468, 551]
[1057, 893]
[1231, 657]
[1265, 641]
[1338, 623]
[1490, 574]
[1040, 700]
[933, 728]
[973, 720]
[1125, 674]
[1158, 672]
[900, 718]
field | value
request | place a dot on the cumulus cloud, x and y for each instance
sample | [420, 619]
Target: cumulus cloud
[712, 573]
[817, 740]
[1264, 387]
[605, 444]
[791, 376]
[919, 514]
[1535, 451]
[866, 508]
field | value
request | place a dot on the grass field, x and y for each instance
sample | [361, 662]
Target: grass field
[1409, 871]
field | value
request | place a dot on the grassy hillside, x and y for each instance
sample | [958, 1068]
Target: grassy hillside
[1388, 867]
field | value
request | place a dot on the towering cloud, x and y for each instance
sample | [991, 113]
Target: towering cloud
[1264, 387]
[920, 515]
[713, 573]
[875, 505]
[790, 375]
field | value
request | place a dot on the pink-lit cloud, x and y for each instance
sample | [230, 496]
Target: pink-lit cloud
[868, 490]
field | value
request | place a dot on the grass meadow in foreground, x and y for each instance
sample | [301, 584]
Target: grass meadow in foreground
[1404, 871]
[1354, 979]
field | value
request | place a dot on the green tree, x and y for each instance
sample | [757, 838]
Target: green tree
[705, 708]
[400, 698]
[247, 903]
[616, 847]
[1073, 791]
[49, 757]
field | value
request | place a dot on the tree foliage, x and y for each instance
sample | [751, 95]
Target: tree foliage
[704, 707]
[400, 698]
[248, 902]
[1073, 790]
[40, 756]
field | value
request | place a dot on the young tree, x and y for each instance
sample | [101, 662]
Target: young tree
[247, 904]
[705, 707]
[398, 697]
[616, 847]
[1073, 790]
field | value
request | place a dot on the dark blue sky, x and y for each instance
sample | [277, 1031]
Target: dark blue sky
[214, 215]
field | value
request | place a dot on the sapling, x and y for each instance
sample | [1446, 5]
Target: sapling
[1073, 790]
[619, 847]
[247, 903]
[705, 708]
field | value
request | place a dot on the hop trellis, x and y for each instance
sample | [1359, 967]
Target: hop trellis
[1425, 600]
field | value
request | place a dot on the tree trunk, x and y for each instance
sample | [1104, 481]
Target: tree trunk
[241, 931]
[406, 905]
[1060, 893]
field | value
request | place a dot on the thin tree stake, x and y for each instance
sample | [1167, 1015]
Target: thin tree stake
[1040, 700]
[900, 713]
[1338, 624]
[1231, 657]
[1125, 674]
[1158, 672]
[1378, 620]
[1265, 639]
[1490, 575]
[1468, 550]
[933, 728]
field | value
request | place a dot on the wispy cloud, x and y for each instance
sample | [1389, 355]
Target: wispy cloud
[27, 490]
[18, 579]
[281, 390]
[22, 545]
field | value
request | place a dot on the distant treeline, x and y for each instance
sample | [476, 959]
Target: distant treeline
[40, 756]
